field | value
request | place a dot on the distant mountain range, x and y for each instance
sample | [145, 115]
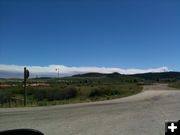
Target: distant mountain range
[16, 71]
[145, 76]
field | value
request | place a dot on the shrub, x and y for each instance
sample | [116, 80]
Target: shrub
[103, 91]
[4, 97]
[55, 94]
[40, 94]
[69, 92]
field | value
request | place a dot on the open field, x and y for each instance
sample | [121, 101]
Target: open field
[64, 91]
[141, 114]
[81, 88]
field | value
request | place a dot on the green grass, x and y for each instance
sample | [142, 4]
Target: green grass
[66, 91]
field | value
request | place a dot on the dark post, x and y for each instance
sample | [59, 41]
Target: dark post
[25, 93]
[26, 75]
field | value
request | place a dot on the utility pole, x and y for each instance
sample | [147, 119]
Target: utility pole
[57, 69]
[26, 75]
[36, 80]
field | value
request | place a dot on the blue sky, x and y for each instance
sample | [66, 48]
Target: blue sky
[102, 33]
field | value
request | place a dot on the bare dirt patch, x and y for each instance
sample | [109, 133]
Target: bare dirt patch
[157, 86]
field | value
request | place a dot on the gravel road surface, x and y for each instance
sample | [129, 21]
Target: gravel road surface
[141, 114]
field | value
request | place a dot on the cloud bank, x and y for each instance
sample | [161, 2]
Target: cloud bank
[50, 71]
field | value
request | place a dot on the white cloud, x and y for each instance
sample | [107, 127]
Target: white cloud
[66, 71]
